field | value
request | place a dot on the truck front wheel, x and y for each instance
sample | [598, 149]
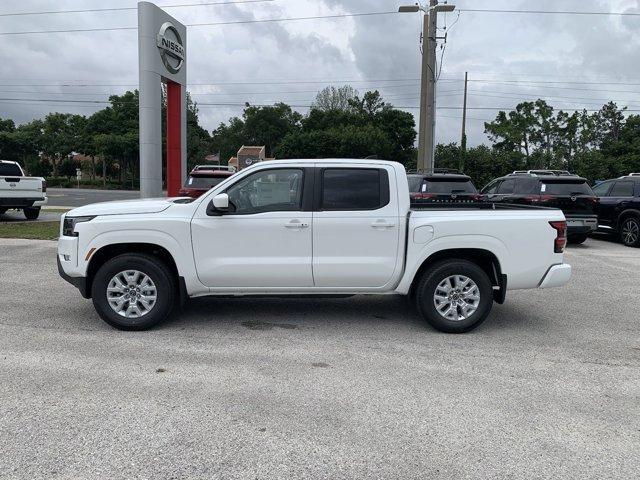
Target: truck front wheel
[454, 296]
[133, 291]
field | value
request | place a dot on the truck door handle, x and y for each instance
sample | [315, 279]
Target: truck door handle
[296, 224]
[382, 224]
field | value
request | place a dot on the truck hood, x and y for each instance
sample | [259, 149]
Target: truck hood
[127, 207]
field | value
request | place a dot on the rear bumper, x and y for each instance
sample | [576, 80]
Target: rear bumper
[581, 224]
[22, 202]
[556, 276]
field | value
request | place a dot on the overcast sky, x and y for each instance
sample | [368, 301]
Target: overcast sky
[509, 57]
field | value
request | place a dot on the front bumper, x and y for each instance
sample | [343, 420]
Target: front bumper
[581, 224]
[79, 282]
[556, 276]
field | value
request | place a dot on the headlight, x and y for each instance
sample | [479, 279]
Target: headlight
[69, 225]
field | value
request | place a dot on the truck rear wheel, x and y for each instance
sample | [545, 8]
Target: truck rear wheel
[31, 213]
[454, 296]
[133, 291]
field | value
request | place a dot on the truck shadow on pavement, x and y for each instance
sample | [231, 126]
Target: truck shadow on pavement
[384, 312]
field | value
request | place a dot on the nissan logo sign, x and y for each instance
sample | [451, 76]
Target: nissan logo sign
[171, 48]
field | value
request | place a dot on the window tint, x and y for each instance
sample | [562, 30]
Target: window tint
[415, 182]
[9, 170]
[277, 190]
[204, 182]
[354, 189]
[602, 188]
[566, 188]
[622, 189]
[507, 187]
[450, 187]
[492, 187]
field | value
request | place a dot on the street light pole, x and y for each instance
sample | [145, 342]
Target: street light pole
[427, 123]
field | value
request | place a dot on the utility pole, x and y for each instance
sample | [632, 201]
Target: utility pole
[463, 140]
[427, 124]
[430, 132]
[424, 94]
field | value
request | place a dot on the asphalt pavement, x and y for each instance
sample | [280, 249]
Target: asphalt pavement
[77, 197]
[547, 387]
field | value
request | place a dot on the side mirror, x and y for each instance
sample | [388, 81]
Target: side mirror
[219, 205]
[221, 201]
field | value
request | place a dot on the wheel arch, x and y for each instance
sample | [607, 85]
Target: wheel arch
[107, 252]
[485, 259]
[629, 212]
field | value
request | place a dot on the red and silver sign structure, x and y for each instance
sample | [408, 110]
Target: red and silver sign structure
[162, 58]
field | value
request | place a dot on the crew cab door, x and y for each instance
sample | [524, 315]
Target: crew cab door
[356, 226]
[264, 240]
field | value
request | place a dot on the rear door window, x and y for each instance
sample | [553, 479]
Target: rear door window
[565, 188]
[622, 189]
[354, 189]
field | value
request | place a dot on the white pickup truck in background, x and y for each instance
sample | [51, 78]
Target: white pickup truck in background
[308, 227]
[19, 192]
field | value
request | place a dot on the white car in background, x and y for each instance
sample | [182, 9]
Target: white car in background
[18, 192]
[309, 227]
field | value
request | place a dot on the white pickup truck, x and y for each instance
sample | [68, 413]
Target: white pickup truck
[18, 192]
[308, 227]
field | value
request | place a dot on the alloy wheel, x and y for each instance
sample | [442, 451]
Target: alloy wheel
[456, 298]
[630, 231]
[131, 294]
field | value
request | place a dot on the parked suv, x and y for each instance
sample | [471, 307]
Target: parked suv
[619, 207]
[203, 178]
[550, 188]
[450, 188]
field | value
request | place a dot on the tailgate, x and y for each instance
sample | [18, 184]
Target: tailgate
[20, 187]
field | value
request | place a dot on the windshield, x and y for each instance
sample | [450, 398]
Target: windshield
[566, 188]
[204, 182]
[448, 186]
[10, 170]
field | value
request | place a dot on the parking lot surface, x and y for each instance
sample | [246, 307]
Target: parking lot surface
[77, 197]
[548, 387]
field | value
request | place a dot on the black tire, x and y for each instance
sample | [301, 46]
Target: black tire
[160, 275]
[630, 231]
[439, 272]
[577, 239]
[31, 213]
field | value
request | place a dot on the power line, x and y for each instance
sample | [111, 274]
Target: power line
[208, 24]
[549, 12]
[121, 9]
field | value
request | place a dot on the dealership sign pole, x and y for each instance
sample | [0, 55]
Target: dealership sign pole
[162, 58]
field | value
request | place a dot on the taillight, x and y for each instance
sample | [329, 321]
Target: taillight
[44, 186]
[561, 236]
[423, 196]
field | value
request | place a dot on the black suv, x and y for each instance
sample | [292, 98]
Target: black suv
[619, 207]
[550, 188]
[443, 186]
